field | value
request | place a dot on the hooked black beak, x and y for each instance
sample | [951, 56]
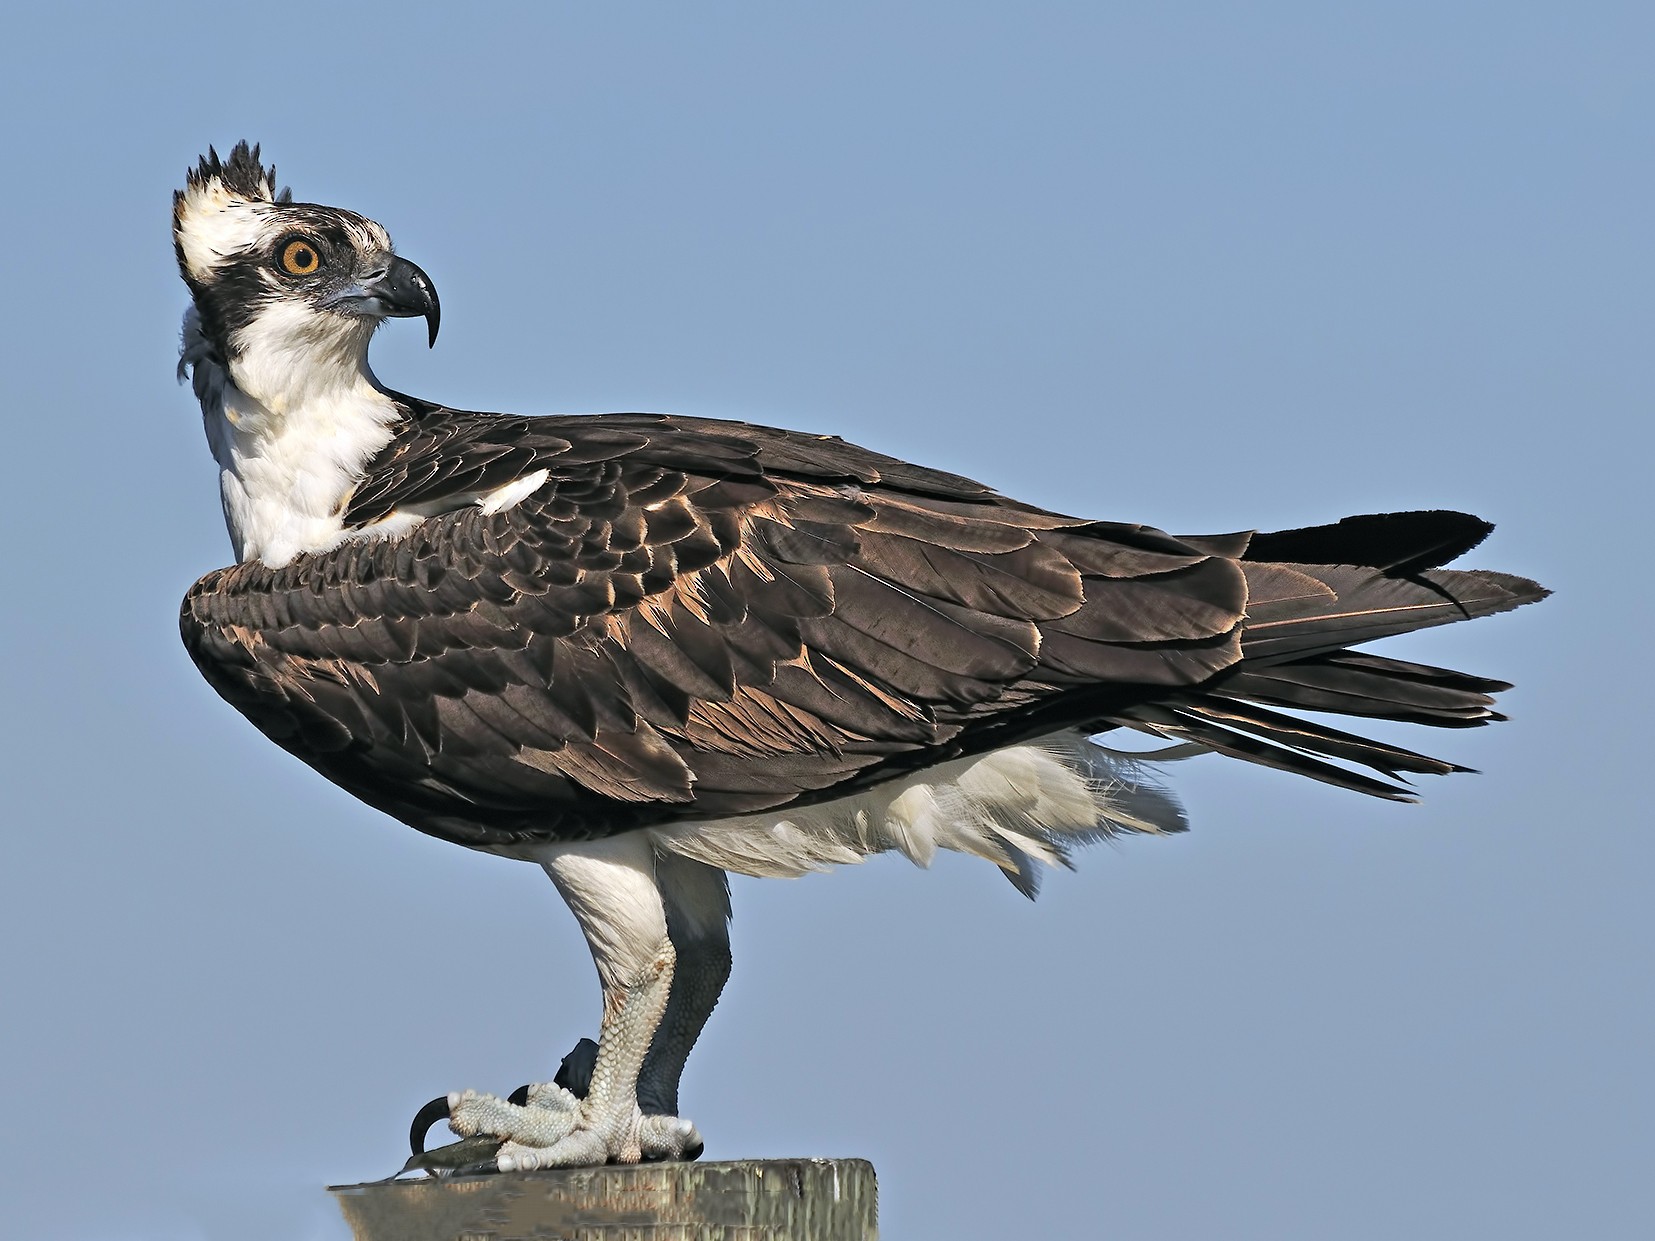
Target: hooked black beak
[399, 290]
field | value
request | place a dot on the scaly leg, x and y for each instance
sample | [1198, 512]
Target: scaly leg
[611, 887]
[697, 898]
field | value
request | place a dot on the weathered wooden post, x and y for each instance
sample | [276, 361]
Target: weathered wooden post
[743, 1200]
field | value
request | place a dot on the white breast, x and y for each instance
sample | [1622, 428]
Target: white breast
[286, 478]
[289, 457]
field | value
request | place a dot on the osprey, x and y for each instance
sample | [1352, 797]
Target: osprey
[643, 650]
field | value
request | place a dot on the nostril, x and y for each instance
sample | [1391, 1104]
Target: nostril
[377, 273]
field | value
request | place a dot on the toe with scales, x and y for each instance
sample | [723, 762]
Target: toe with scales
[573, 1075]
[658, 929]
[554, 1127]
[516, 1132]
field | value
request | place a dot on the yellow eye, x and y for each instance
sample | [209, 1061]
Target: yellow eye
[300, 257]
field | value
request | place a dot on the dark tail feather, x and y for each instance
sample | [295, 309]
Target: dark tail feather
[1271, 739]
[1402, 544]
[1306, 609]
[1355, 683]
[1313, 593]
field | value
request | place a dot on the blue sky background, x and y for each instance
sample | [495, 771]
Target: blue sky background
[1207, 266]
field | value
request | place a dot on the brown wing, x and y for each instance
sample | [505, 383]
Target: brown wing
[636, 642]
[695, 618]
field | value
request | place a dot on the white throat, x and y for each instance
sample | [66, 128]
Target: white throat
[291, 422]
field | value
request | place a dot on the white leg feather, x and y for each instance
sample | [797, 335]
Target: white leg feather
[1018, 807]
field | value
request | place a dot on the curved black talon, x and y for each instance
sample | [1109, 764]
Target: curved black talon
[427, 1116]
[575, 1073]
[475, 1156]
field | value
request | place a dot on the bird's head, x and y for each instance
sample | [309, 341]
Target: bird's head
[280, 285]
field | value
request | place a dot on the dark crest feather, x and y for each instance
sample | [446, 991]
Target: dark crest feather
[242, 173]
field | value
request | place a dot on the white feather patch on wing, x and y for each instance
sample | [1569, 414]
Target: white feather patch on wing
[1017, 807]
[400, 521]
[502, 498]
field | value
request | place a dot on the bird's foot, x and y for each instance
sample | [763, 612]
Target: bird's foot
[476, 1154]
[556, 1129]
